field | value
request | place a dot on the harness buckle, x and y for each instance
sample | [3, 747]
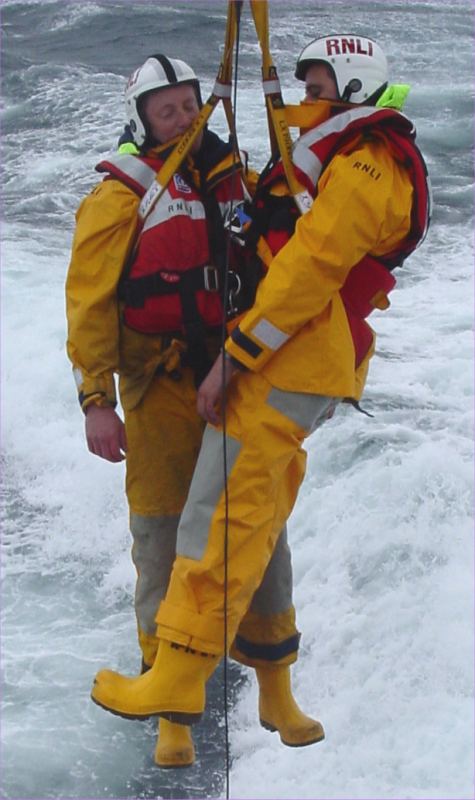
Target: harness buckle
[233, 292]
[211, 279]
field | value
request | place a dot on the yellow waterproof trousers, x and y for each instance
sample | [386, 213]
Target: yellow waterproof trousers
[266, 464]
[164, 434]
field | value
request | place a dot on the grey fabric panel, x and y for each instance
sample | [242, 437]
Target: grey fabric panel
[274, 595]
[205, 491]
[307, 161]
[134, 167]
[269, 334]
[308, 411]
[153, 553]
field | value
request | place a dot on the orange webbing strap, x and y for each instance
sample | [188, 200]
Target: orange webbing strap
[221, 91]
[281, 141]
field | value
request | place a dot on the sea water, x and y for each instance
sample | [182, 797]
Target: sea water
[382, 530]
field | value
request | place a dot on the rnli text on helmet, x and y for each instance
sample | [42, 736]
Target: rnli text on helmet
[339, 47]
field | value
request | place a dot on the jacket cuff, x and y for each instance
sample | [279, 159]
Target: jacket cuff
[254, 347]
[96, 399]
[235, 363]
[99, 390]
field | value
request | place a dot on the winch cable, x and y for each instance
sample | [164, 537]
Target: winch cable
[234, 14]
[280, 139]
[221, 92]
[281, 144]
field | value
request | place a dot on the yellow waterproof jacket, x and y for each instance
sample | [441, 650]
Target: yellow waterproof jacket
[297, 333]
[99, 345]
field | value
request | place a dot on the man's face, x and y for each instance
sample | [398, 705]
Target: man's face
[169, 112]
[319, 84]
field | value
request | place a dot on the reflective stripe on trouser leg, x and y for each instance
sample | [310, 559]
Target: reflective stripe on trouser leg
[264, 474]
[153, 554]
[267, 634]
[164, 435]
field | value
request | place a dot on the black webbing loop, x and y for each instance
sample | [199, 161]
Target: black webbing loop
[195, 337]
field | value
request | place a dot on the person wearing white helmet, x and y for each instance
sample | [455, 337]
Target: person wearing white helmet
[301, 349]
[149, 119]
[147, 307]
[356, 64]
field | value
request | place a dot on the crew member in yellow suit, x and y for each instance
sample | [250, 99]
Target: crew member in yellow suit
[300, 350]
[125, 316]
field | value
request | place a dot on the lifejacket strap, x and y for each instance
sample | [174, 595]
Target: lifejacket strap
[135, 291]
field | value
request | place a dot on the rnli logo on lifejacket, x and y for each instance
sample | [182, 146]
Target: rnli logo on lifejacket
[181, 185]
[349, 45]
[170, 277]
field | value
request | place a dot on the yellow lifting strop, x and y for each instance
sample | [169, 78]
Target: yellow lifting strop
[280, 140]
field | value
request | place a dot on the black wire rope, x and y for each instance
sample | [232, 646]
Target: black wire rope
[223, 403]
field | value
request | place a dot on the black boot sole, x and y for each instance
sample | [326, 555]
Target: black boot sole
[172, 716]
[273, 729]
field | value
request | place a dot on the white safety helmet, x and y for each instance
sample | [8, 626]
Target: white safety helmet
[158, 72]
[359, 65]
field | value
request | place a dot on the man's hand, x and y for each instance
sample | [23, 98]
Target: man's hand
[105, 433]
[210, 393]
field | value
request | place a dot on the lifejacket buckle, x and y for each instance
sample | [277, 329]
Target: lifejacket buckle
[211, 279]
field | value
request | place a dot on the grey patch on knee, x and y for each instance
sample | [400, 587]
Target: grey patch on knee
[205, 491]
[274, 595]
[308, 411]
[153, 553]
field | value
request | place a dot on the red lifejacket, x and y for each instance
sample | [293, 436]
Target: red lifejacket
[370, 281]
[171, 284]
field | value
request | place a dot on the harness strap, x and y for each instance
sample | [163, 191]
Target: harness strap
[195, 336]
[281, 141]
[221, 91]
[135, 291]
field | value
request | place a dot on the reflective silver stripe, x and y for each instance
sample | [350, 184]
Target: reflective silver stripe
[271, 87]
[153, 553]
[308, 411]
[305, 159]
[205, 492]
[269, 335]
[274, 595]
[337, 124]
[168, 207]
[222, 89]
[77, 374]
[130, 165]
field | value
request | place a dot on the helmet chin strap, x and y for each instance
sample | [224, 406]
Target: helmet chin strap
[351, 87]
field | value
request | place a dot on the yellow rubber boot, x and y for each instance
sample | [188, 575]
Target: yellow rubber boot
[173, 688]
[175, 747]
[278, 710]
[149, 646]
